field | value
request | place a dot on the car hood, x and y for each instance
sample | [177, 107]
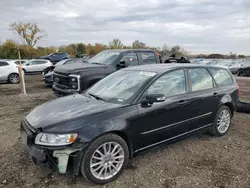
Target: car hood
[78, 67]
[66, 108]
[245, 66]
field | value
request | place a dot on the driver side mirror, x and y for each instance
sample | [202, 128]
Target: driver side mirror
[122, 64]
[153, 98]
[27, 64]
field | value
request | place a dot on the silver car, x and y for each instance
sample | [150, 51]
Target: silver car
[36, 65]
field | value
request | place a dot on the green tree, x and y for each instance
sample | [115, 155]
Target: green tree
[137, 44]
[8, 50]
[178, 51]
[80, 48]
[116, 44]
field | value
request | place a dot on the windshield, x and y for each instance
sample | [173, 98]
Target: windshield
[120, 86]
[104, 57]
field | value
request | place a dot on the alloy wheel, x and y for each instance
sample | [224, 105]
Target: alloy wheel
[14, 78]
[223, 121]
[107, 160]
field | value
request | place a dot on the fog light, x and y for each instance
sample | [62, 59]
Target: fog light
[73, 79]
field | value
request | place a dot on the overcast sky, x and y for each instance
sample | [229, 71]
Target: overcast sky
[200, 26]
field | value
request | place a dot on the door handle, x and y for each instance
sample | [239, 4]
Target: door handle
[215, 95]
[182, 102]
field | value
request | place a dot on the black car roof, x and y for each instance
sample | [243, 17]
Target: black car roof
[161, 68]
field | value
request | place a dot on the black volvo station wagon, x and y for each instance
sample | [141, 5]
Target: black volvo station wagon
[129, 111]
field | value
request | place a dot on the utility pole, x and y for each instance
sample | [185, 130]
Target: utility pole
[21, 75]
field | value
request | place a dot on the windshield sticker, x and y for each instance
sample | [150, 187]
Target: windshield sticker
[119, 100]
[144, 73]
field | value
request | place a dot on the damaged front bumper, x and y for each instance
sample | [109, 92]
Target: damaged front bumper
[61, 158]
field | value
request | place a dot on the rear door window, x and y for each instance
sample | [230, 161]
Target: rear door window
[131, 58]
[2, 64]
[221, 76]
[148, 58]
[200, 79]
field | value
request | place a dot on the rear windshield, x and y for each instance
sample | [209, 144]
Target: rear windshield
[221, 76]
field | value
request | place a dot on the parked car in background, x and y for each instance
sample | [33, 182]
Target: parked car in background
[244, 69]
[126, 113]
[18, 61]
[232, 65]
[78, 77]
[49, 72]
[9, 72]
[56, 57]
[36, 65]
[51, 68]
[173, 59]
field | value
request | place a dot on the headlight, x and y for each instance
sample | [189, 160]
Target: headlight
[48, 139]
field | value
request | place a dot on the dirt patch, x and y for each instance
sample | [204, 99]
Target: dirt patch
[199, 161]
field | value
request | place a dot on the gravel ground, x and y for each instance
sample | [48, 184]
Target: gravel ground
[199, 161]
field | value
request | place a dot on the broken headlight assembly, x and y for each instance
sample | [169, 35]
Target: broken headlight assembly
[48, 139]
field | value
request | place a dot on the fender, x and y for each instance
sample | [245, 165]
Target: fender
[229, 102]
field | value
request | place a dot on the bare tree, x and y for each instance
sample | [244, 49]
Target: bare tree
[30, 33]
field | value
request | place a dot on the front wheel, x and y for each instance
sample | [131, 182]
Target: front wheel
[222, 121]
[104, 159]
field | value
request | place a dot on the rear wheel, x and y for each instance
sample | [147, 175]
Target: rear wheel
[13, 78]
[104, 159]
[222, 121]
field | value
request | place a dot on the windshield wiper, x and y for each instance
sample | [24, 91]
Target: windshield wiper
[97, 63]
[97, 97]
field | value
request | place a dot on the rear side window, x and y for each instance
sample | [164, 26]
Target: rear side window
[148, 58]
[200, 79]
[221, 76]
[3, 64]
[38, 62]
[33, 63]
[41, 62]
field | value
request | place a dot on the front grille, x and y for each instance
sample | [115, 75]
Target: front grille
[59, 79]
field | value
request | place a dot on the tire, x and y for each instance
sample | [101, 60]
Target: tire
[14, 78]
[243, 107]
[24, 71]
[215, 130]
[91, 154]
[238, 73]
